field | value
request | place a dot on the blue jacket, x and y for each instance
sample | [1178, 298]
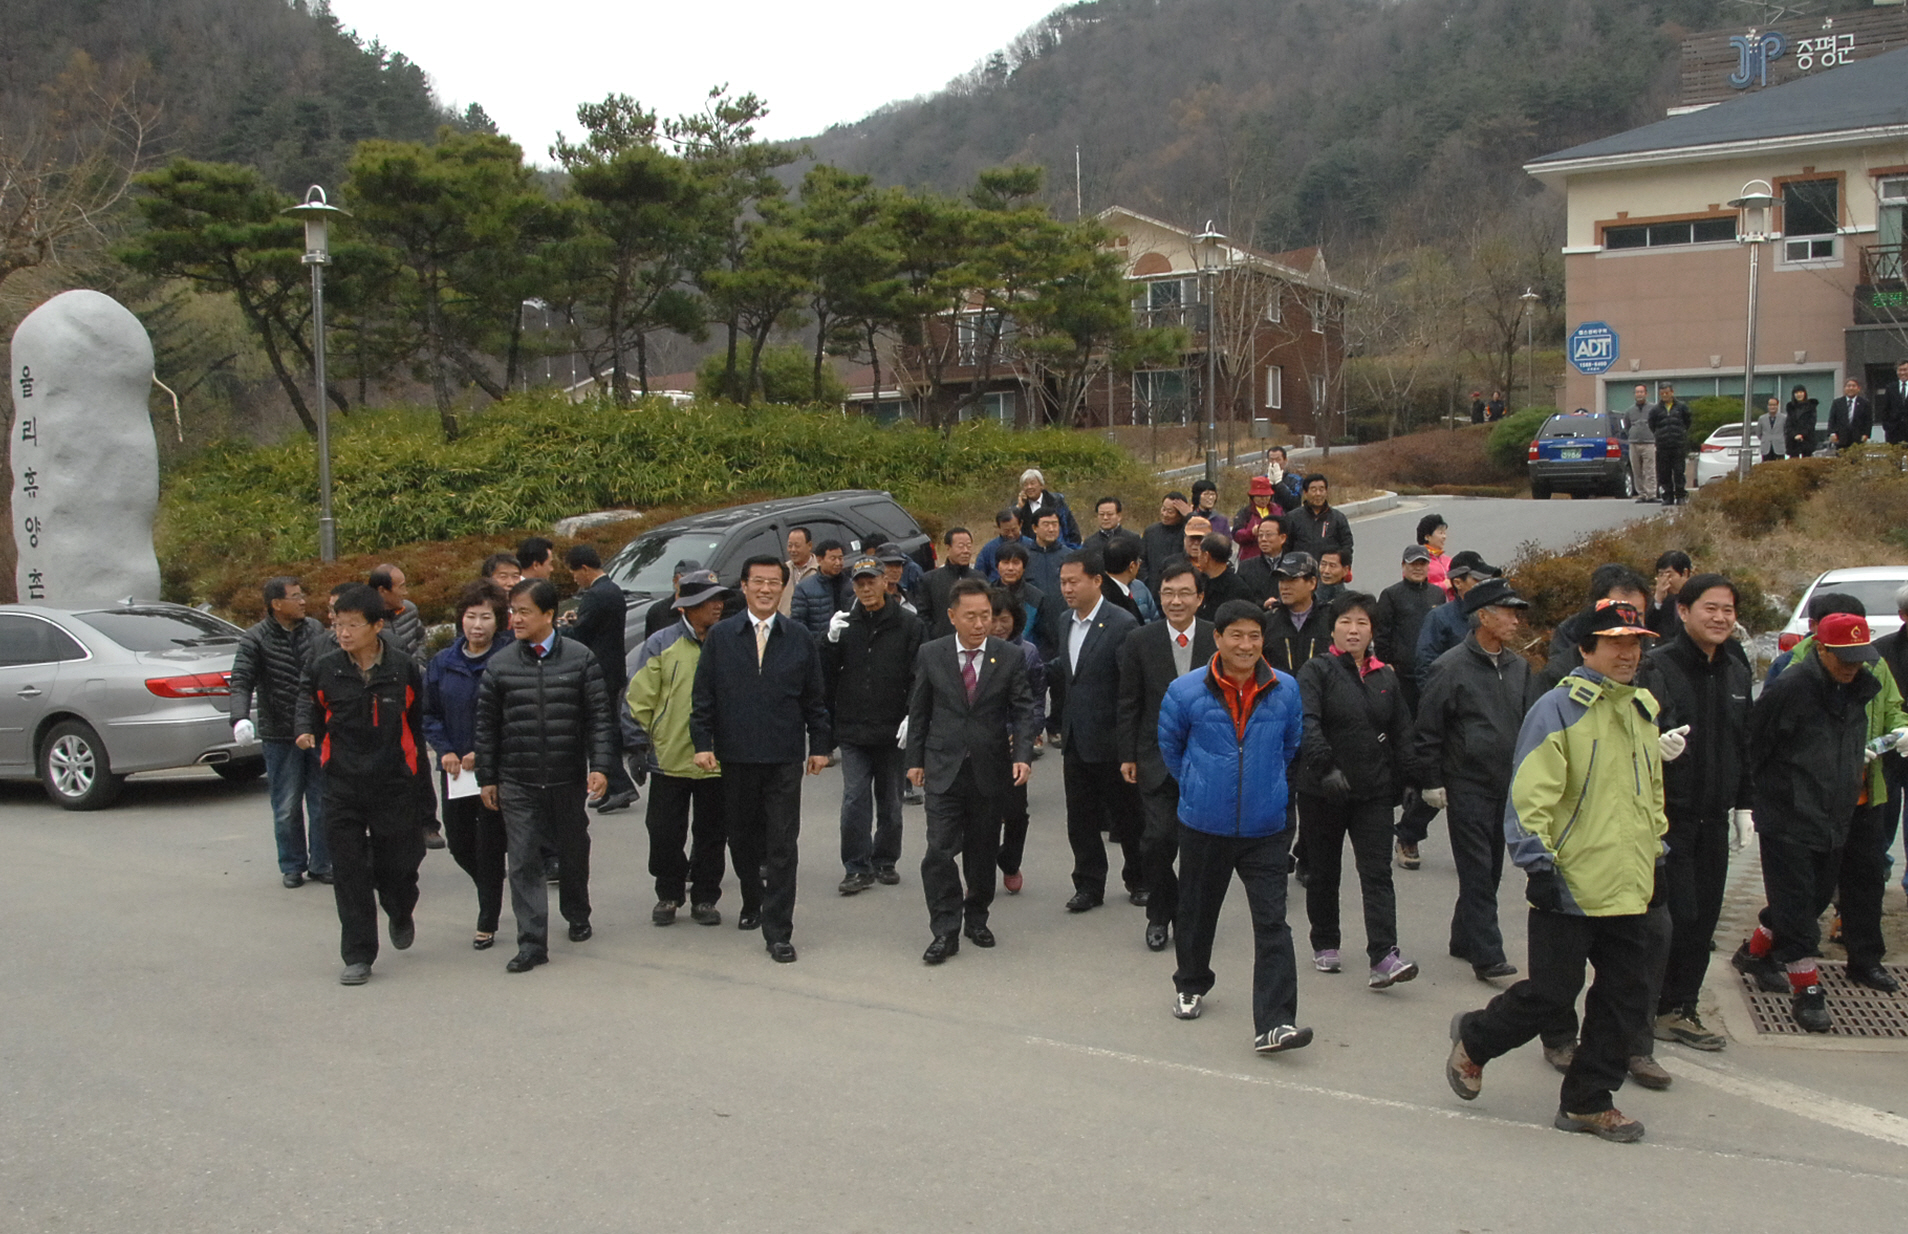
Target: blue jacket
[818, 598]
[987, 562]
[1227, 785]
[1148, 607]
[1443, 628]
[451, 681]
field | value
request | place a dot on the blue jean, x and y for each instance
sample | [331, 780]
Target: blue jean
[297, 778]
[870, 793]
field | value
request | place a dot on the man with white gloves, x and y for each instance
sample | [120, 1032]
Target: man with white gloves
[270, 659]
[1701, 677]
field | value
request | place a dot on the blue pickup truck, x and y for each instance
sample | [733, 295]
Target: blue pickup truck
[1583, 453]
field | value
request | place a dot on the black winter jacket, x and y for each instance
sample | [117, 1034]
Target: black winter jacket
[602, 610]
[1798, 427]
[407, 631]
[746, 712]
[1159, 544]
[1670, 424]
[869, 672]
[1805, 744]
[1316, 531]
[1713, 697]
[1469, 715]
[543, 721]
[1216, 589]
[370, 733]
[1402, 608]
[272, 660]
[1287, 648]
[937, 586]
[1357, 724]
[818, 598]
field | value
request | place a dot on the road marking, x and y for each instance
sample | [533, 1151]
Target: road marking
[1794, 1099]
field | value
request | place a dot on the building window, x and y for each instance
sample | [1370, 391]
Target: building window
[1165, 294]
[1159, 396]
[981, 334]
[997, 406]
[1318, 312]
[1811, 207]
[1318, 392]
[1664, 235]
[1275, 304]
[1274, 387]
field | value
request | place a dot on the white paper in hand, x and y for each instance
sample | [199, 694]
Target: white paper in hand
[464, 785]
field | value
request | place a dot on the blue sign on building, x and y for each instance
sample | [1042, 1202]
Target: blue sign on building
[1592, 347]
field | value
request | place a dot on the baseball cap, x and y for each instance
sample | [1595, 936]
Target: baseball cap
[698, 587]
[1261, 486]
[1468, 564]
[1416, 552]
[1492, 593]
[1614, 618]
[890, 554]
[1846, 635]
[1295, 565]
[1198, 524]
[866, 566]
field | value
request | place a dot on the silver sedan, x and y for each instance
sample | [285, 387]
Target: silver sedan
[90, 696]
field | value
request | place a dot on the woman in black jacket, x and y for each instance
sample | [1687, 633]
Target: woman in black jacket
[1353, 765]
[1798, 423]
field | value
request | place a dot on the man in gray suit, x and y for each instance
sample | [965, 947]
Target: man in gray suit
[971, 730]
[1085, 679]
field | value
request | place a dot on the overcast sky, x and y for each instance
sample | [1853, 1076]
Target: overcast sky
[815, 64]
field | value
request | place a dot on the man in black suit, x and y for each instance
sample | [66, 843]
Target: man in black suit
[1152, 658]
[1850, 417]
[937, 585]
[1085, 676]
[1891, 406]
[1256, 575]
[597, 623]
[758, 686]
[971, 729]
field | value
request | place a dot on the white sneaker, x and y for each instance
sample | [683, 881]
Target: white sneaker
[1188, 1006]
[1325, 961]
[1284, 1037]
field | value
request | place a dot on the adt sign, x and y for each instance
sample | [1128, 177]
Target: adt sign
[1592, 347]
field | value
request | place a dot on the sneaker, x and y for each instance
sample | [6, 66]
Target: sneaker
[1645, 1070]
[664, 913]
[1494, 972]
[1685, 1027]
[1326, 961]
[1188, 1006]
[1408, 858]
[1284, 1037]
[886, 876]
[355, 974]
[1561, 1056]
[1811, 1010]
[433, 839]
[1769, 976]
[705, 914]
[1609, 1124]
[854, 884]
[1390, 971]
[1465, 1077]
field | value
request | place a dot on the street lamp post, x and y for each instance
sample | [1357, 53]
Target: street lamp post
[317, 214]
[1209, 256]
[1530, 298]
[1755, 209]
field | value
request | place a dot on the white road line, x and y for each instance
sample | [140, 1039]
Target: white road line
[1794, 1099]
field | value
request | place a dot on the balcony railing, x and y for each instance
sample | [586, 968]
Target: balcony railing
[1884, 263]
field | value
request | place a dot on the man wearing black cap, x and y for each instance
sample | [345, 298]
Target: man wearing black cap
[868, 667]
[663, 613]
[1585, 823]
[1445, 626]
[1297, 629]
[660, 696]
[894, 564]
[1402, 608]
[1466, 737]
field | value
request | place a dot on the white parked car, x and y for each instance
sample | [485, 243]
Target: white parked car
[1874, 586]
[1721, 454]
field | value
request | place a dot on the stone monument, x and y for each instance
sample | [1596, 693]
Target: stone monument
[85, 465]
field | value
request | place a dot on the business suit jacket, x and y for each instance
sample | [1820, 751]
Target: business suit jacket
[1891, 411]
[1089, 700]
[1850, 420]
[601, 609]
[756, 714]
[992, 733]
[1146, 669]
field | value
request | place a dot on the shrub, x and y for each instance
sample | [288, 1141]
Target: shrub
[1868, 496]
[1424, 462]
[1710, 413]
[1509, 444]
[1770, 496]
[787, 376]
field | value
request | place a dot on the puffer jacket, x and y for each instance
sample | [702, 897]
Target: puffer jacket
[1231, 785]
[1805, 742]
[370, 731]
[271, 660]
[661, 692]
[1670, 424]
[407, 631]
[1355, 722]
[1885, 710]
[1586, 797]
[818, 598]
[1469, 717]
[451, 683]
[869, 672]
[543, 721]
[1711, 696]
[1402, 608]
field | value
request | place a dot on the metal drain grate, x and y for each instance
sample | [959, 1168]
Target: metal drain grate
[1857, 1011]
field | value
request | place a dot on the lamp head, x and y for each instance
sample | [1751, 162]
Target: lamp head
[317, 214]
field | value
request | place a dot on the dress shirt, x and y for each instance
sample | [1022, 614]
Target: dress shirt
[1182, 646]
[1077, 634]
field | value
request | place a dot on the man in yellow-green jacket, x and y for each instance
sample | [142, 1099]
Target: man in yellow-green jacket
[1585, 822]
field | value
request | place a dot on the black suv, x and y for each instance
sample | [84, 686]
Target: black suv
[723, 539]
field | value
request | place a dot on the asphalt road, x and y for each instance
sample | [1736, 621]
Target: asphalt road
[175, 1054]
[1496, 527]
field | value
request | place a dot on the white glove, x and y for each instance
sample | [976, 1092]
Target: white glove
[1433, 797]
[1901, 743]
[1672, 744]
[1275, 473]
[901, 734]
[836, 625]
[1742, 824]
[244, 733]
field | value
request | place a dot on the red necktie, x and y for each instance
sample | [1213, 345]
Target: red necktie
[1182, 640]
[969, 674]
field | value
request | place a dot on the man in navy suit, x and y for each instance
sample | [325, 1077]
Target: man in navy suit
[1085, 677]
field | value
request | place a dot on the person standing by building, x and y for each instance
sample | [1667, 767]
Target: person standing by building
[1798, 424]
[1769, 431]
[825, 593]
[971, 727]
[868, 659]
[1891, 407]
[1315, 526]
[452, 681]
[1226, 734]
[938, 584]
[801, 563]
[602, 611]
[661, 695]
[362, 708]
[1085, 677]
[1037, 499]
[1642, 447]
[758, 690]
[544, 744]
[1586, 824]
[1850, 417]
[1669, 421]
[270, 661]
[1151, 659]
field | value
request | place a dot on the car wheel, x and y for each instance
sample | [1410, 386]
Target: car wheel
[1622, 485]
[74, 769]
[1539, 491]
[240, 770]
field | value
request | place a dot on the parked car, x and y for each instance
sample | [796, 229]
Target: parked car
[1874, 586]
[723, 539]
[1582, 453]
[90, 696]
[1721, 454]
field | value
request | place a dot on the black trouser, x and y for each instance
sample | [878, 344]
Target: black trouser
[1475, 820]
[539, 818]
[1159, 845]
[1206, 866]
[1013, 829]
[376, 848]
[1671, 483]
[1415, 823]
[763, 805]
[1798, 882]
[1695, 875]
[1100, 800]
[962, 822]
[475, 837]
[1624, 952]
[619, 778]
[1863, 875]
[700, 873]
[1368, 824]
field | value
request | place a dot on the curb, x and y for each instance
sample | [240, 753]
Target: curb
[1386, 500]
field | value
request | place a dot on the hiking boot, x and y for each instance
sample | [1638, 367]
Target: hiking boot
[664, 913]
[1608, 1124]
[886, 876]
[1390, 971]
[1408, 858]
[854, 884]
[1685, 1027]
[1769, 976]
[1561, 1056]
[1465, 1077]
[1645, 1070]
[705, 915]
[1811, 1010]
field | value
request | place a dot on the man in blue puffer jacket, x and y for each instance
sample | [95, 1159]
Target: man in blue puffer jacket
[1227, 733]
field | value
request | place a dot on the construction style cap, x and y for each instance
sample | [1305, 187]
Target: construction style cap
[1295, 565]
[1614, 619]
[698, 587]
[1260, 486]
[866, 566]
[1846, 635]
[1492, 593]
[1417, 552]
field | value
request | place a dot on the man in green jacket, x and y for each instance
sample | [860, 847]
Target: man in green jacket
[1585, 822]
[660, 685]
